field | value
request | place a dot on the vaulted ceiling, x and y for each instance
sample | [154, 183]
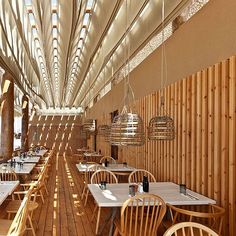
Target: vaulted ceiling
[64, 53]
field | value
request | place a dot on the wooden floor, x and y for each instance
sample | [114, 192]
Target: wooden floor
[63, 212]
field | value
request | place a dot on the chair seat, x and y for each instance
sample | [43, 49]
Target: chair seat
[4, 226]
[117, 223]
[29, 182]
[14, 205]
[34, 176]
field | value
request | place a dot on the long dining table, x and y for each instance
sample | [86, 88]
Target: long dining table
[118, 167]
[27, 159]
[116, 194]
[18, 168]
[92, 156]
[40, 152]
[6, 189]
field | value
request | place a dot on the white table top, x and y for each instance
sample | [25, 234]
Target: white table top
[6, 189]
[28, 159]
[116, 194]
[82, 150]
[40, 152]
[119, 167]
[92, 154]
[19, 170]
[83, 166]
[112, 167]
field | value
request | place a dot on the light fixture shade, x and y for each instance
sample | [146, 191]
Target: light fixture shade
[102, 130]
[127, 130]
[161, 128]
[89, 125]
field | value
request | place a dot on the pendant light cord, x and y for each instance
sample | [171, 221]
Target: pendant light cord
[163, 55]
[128, 91]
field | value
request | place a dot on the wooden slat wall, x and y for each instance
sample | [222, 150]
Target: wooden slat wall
[203, 154]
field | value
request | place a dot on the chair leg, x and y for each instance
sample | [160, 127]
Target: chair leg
[93, 215]
[86, 198]
[98, 219]
[41, 195]
[82, 196]
[45, 187]
[8, 215]
[31, 226]
[116, 232]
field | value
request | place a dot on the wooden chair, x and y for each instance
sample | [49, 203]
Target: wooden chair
[141, 215]
[17, 226]
[137, 176]
[39, 183]
[97, 178]
[14, 205]
[109, 159]
[8, 175]
[189, 229]
[214, 216]
[75, 156]
[87, 180]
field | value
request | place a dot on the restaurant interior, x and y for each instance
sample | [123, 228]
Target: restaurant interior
[118, 117]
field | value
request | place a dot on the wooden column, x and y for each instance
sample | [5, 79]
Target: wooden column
[25, 123]
[7, 113]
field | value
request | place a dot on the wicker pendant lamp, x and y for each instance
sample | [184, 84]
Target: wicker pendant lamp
[104, 131]
[89, 125]
[127, 129]
[162, 126]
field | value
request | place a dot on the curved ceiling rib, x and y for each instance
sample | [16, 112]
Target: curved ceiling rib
[99, 43]
[22, 68]
[142, 26]
[121, 39]
[75, 23]
[67, 52]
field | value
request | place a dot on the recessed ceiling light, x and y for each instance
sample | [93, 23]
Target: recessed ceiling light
[54, 18]
[54, 32]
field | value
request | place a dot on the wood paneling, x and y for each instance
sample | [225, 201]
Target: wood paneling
[203, 153]
[61, 133]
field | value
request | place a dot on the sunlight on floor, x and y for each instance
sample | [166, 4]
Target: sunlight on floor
[77, 203]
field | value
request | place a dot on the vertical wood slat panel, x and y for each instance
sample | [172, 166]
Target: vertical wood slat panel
[204, 126]
[188, 134]
[198, 151]
[232, 145]
[217, 131]
[203, 153]
[172, 144]
[175, 173]
[183, 141]
[179, 162]
[193, 133]
[210, 121]
[224, 135]
[167, 155]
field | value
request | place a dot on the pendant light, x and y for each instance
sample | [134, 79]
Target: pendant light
[89, 125]
[162, 127]
[127, 129]
[104, 131]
